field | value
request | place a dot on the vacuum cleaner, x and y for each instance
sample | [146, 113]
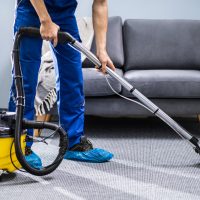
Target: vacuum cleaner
[13, 126]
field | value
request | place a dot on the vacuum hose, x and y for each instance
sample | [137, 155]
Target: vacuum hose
[21, 124]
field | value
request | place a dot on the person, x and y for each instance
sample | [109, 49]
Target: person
[51, 16]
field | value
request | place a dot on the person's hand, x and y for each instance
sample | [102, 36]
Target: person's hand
[105, 61]
[49, 31]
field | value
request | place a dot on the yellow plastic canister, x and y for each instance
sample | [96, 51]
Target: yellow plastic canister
[6, 143]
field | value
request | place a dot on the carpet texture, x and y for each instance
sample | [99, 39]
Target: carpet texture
[151, 163]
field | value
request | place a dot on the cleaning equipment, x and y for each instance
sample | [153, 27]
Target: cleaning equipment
[7, 151]
[13, 134]
[14, 123]
[66, 38]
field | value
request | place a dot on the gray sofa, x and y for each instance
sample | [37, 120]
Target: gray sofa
[161, 58]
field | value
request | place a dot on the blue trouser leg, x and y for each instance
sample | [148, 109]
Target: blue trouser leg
[69, 80]
[70, 91]
[30, 58]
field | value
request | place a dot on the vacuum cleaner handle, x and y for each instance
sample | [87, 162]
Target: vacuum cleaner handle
[63, 37]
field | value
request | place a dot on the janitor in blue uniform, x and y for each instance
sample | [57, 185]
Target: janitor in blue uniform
[50, 16]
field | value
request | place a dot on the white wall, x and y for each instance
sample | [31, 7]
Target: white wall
[6, 21]
[154, 9]
[147, 9]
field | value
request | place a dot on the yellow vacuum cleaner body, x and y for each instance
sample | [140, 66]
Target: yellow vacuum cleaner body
[8, 159]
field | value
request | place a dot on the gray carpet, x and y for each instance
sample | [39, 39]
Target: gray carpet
[151, 163]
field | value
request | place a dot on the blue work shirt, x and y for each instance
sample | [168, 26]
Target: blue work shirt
[58, 9]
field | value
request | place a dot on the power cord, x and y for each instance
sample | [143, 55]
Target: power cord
[43, 140]
[136, 103]
[128, 99]
[12, 159]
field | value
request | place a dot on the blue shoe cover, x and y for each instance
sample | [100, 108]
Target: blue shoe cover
[34, 161]
[94, 155]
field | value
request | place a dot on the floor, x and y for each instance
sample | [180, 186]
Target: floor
[151, 163]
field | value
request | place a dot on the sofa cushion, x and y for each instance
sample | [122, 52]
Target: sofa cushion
[165, 83]
[114, 43]
[95, 83]
[162, 44]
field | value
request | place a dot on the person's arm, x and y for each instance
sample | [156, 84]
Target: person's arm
[48, 29]
[100, 23]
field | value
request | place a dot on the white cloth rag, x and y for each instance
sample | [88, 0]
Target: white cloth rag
[46, 93]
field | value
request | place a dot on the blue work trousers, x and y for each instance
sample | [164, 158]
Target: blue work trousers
[68, 66]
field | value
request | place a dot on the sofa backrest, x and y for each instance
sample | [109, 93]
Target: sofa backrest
[162, 44]
[114, 43]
